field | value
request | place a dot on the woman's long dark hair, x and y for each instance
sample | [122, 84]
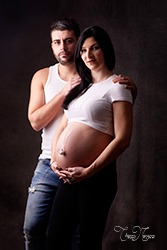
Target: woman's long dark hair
[104, 41]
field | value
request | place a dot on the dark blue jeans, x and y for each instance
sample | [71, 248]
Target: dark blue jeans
[85, 203]
[40, 199]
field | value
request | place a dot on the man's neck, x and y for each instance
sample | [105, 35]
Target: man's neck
[66, 72]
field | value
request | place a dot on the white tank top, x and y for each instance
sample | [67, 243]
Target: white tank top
[53, 86]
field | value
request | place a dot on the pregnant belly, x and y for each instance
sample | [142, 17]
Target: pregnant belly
[80, 145]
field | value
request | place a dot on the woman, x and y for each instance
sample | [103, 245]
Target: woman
[95, 130]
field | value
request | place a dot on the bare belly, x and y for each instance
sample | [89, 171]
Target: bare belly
[81, 145]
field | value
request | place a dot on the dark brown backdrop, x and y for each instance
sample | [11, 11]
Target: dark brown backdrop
[136, 29]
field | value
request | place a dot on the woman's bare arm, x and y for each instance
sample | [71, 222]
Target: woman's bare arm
[122, 112]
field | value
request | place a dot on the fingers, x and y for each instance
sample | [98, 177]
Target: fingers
[66, 175]
[129, 84]
[117, 78]
[72, 174]
[54, 166]
[69, 175]
[66, 180]
[70, 181]
[57, 169]
[122, 79]
[74, 82]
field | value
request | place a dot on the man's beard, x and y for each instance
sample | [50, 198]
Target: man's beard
[67, 61]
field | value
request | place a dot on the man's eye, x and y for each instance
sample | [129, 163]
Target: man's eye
[56, 42]
[68, 41]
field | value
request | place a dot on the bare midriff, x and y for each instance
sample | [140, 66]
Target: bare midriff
[81, 145]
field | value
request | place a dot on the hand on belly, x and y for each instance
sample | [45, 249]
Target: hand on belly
[71, 175]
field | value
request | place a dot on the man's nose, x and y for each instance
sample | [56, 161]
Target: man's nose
[63, 45]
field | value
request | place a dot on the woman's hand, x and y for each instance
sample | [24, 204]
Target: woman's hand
[75, 174]
[70, 174]
[58, 170]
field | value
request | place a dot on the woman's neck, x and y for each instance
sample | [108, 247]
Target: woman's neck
[101, 76]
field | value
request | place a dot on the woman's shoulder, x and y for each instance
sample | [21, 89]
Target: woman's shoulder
[118, 91]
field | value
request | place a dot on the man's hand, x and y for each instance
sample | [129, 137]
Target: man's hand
[72, 83]
[129, 84]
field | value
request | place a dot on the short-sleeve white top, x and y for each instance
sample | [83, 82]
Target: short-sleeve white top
[94, 108]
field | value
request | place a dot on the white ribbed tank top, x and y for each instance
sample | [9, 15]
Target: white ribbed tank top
[53, 86]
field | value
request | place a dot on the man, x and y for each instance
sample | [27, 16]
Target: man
[49, 87]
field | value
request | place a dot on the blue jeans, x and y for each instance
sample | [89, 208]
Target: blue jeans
[40, 199]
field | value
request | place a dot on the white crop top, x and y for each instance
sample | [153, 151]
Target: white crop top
[94, 107]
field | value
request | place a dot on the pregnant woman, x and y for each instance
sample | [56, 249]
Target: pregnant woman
[96, 128]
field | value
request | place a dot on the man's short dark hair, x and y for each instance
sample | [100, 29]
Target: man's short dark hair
[66, 23]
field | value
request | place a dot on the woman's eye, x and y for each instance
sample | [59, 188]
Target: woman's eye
[83, 50]
[95, 48]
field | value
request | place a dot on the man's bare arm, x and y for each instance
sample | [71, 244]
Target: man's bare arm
[41, 114]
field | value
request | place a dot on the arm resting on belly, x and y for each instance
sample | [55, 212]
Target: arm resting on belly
[122, 112]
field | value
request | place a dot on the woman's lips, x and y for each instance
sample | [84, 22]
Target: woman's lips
[91, 61]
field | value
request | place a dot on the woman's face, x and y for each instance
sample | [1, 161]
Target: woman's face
[92, 54]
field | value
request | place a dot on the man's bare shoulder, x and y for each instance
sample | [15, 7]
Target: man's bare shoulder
[42, 72]
[41, 76]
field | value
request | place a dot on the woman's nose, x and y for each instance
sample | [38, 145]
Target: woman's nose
[89, 54]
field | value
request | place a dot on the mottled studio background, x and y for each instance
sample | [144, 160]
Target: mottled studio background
[136, 29]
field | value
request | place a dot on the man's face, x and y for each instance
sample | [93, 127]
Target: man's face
[63, 46]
